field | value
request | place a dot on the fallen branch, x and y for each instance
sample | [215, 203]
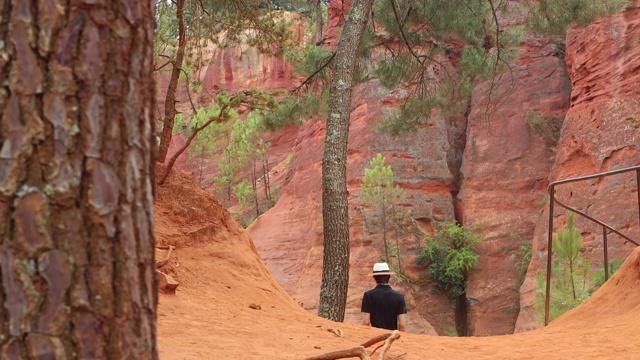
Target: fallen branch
[360, 350]
[343, 354]
[387, 344]
[161, 263]
[377, 339]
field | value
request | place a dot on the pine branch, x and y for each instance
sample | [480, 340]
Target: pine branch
[308, 79]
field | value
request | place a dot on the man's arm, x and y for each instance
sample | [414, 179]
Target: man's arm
[401, 323]
[367, 319]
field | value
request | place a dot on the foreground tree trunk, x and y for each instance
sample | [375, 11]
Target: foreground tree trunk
[335, 215]
[77, 275]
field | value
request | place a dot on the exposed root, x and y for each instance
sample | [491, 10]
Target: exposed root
[360, 350]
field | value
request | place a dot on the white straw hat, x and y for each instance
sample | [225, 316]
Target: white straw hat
[381, 269]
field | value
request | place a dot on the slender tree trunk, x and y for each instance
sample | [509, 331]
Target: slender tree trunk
[335, 215]
[319, 22]
[254, 186]
[77, 275]
[200, 168]
[170, 101]
[572, 279]
[384, 231]
[265, 176]
[228, 174]
[187, 143]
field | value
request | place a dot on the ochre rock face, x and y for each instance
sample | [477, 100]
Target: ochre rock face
[488, 169]
[600, 133]
[289, 237]
[504, 179]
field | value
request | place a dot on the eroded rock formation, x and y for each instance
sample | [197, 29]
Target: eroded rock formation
[600, 133]
[484, 169]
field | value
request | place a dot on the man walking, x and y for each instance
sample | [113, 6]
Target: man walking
[382, 306]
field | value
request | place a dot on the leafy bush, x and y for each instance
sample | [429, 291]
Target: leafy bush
[449, 256]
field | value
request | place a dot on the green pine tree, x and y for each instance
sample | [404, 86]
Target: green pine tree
[382, 198]
[571, 282]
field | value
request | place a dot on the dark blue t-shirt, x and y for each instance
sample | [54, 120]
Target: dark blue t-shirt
[384, 305]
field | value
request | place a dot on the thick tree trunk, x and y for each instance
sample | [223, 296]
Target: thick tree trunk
[77, 276]
[170, 101]
[335, 267]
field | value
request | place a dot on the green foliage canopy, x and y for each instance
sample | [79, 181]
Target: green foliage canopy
[419, 36]
[554, 17]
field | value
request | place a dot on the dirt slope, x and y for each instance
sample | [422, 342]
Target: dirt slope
[229, 307]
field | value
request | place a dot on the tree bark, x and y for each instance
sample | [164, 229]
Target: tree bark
[170, 100]
[319, 22]
[77, 268]
[335, 267]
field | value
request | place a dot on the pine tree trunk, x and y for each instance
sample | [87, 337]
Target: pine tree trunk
[265, 176]
[254, 185]
[335, 267]
[200, 168]
[170, 101]
[319, 22]
[77, 271]
[384, 231]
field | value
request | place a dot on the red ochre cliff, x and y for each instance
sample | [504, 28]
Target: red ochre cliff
[486, 170]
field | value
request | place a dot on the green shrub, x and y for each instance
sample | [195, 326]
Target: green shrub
[548, 129]
[524, 258]
[449, 256]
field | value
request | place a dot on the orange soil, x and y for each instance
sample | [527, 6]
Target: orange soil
[228, 306]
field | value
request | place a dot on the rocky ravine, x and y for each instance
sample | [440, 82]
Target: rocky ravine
[491, 172]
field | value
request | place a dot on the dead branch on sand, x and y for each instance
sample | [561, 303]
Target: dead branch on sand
[360, 351]
[161, 263]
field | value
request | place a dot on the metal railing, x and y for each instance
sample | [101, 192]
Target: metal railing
[553, 200]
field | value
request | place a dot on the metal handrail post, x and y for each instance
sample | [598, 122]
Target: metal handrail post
[549, 247]
[606, 253]
[553, 200]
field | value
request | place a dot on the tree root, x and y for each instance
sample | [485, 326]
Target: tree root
[360, 351]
